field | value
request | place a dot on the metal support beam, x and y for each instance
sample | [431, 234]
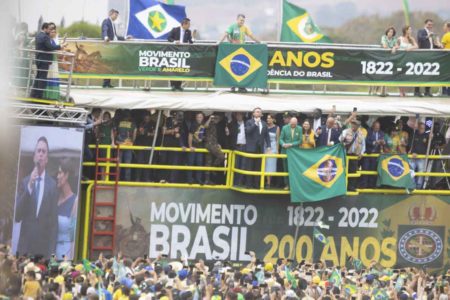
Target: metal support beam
[38, 112]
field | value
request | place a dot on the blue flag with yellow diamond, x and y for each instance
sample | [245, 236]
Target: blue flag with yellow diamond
[241, 65]
[150, 19]
[316, 174]
[394, 170]
[298, 26]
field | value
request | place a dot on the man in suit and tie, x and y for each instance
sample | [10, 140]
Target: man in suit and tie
[374, 144]
[257, 138]
[37, 207]
[426, 40]
[328, 134]
[109, 33]
[180, 35]
[291, 136]
[43, 60]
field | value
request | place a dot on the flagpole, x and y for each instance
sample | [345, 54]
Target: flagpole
[406, 11]
[280, 20]
[297, 228]
[430, 135]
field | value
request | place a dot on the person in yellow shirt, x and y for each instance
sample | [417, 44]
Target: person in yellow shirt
[31, 288]
[308, 139]
[446, 37]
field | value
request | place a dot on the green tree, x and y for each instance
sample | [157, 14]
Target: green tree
[369, 29]
[81, 29]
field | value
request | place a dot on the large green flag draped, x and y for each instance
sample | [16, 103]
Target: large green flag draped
[316, 174]
[393, 170]
[241, 65]
[297, 26]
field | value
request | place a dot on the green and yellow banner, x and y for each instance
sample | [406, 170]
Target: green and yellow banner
[316, 174]
[394, 230]
[241, 65]
[249, 65]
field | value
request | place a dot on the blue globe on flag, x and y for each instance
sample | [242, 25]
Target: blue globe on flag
[240, 64]
[395, 167]
[327, 170]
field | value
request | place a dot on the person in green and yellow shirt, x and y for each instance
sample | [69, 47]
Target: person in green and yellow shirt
[237, 32]
[291, 136]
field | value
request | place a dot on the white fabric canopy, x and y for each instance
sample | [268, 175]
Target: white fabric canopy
[274, 102]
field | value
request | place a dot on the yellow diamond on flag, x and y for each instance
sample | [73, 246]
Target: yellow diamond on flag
[240, 64]
[326, 171]
[304, 28]
[396, 167]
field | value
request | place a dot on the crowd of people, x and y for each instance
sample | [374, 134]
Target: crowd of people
[121, 278]
[426, 39]
[255, 132]
[46, 83]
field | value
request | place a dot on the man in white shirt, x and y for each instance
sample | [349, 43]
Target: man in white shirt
[238, 142]
[37, 208]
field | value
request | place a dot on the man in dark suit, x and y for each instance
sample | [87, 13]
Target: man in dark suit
[374, 144]
[43, 60]
[328, 134]
[426, 40]
[109, 34]
[256, 137]
[37, 207]
[180, 35]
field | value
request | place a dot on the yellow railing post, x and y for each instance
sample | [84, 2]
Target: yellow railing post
[108, 156]
[87, 216]
[263, 171]
[347, 160]
[230, 173]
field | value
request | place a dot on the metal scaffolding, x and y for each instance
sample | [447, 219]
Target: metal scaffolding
[39, 112]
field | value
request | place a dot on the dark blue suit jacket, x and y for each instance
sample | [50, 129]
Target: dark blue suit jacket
[38, 235]
[44, 43]
[370, 139]
[323, 137]
[108, 30]
[255, 140]
[422, 41]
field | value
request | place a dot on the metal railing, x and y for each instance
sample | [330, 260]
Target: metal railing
[230, 170]
[37, 78]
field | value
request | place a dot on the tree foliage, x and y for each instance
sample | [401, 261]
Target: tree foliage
[81, 29]
[369, 29]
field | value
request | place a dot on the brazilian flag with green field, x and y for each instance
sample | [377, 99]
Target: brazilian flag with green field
[241, 65]
[298, 26]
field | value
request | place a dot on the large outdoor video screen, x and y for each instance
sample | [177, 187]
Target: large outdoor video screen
[47, 193]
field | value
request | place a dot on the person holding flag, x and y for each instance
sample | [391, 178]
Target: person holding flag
[236, 34]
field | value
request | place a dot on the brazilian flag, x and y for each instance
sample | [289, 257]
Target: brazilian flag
[298, 26]
[393, 170]
[241, 65]
[320, 236]
[316, 174]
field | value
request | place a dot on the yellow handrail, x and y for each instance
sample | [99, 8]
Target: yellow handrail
[231, 170]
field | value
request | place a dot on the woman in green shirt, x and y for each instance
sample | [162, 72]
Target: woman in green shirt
[388, 41]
